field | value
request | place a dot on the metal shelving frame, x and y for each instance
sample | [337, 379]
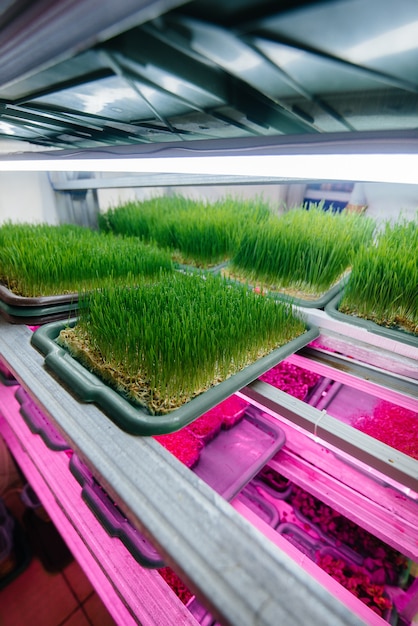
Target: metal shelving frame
[241, 576]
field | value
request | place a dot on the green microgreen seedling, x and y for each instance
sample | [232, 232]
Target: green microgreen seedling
[304, 251]
[177, 336]
[195, 231]
[383, 285]
[42, 260]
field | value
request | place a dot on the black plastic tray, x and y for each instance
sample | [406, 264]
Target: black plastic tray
[137, 420]
[390, 333]
[21, 549]
[299, 538]
[260, 506]
[39, 423]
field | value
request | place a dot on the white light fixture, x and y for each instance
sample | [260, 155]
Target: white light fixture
[399, 168]
[307, 158]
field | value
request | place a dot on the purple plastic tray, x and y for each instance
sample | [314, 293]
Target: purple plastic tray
[263, 509]
[29, 497]
[236, 455]
[201, 614]
[300, 539]
[112, 518]
[38, 422]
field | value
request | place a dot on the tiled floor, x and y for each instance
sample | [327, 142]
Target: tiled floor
[40, 598]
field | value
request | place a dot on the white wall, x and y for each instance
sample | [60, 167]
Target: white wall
[111, 198]
[280, 197]
[27, 197]
[272, 195]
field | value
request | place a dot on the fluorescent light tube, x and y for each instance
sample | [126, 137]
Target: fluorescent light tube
[375, 157]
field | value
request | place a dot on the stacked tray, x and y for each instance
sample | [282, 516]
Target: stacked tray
[21, 310]
[226, 462]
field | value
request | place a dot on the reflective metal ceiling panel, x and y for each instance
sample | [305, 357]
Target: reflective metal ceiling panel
[377, 34]
[313, 73]
[210, 69]
[112, 98]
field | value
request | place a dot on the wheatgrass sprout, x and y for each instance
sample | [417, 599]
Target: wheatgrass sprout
[43, 260]
[301, 251]
[197, 232]
[383, 285]
[172, 339]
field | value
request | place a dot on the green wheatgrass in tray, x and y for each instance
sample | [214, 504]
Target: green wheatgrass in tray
[43, 260]
[303, 252]
[383, 285]
[162, 343]
[195, 231]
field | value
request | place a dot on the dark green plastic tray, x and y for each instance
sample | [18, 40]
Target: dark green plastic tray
[37, 315]
[21, 310]
[138, 420]
[390, 333]
[318, 303]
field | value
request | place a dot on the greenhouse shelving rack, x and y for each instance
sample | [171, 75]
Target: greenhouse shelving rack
[127, 465]
[110, 568]
[63, 35]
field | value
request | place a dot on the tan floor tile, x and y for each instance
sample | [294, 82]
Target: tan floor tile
[78, 581]
[97, 612]
[36, 597]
